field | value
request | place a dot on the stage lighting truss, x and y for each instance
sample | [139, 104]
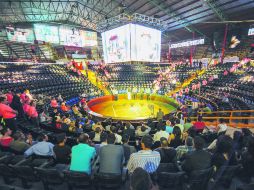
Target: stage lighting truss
[136, 18]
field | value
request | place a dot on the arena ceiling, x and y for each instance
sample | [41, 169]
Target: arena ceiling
[180, 16]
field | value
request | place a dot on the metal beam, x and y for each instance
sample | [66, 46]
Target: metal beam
[215, 9]
[163, 7]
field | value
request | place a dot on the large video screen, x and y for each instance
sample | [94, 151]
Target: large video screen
[116, 44]
[145, 44]
[46, 33]
[21, 35]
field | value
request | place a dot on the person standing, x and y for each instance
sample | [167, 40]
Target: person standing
[8, 114]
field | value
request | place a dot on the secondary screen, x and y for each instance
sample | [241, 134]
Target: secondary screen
[145, 44]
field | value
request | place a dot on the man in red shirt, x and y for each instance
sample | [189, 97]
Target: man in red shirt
[199, 125]
[8, 114]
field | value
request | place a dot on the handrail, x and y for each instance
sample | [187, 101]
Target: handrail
[228, 111]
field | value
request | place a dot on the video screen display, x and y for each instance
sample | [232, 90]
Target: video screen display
[21, 35]
[145, 44]
[46, 33]
[116, 44]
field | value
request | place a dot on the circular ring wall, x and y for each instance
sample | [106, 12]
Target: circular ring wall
[130, 108]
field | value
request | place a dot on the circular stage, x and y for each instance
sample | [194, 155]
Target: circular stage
[122, 108]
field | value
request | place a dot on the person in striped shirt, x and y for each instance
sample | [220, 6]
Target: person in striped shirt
[146, 158]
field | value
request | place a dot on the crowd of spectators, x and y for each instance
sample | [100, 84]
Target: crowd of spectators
[120, 148]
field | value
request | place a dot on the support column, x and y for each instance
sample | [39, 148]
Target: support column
[224, 44]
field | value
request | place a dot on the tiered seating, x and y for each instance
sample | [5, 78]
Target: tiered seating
[49, 80]
[23, 50]
[4, 53]
[238, 91]
[123, 76]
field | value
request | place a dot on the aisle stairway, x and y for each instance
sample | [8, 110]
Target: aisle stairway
[95, 81]
[186, 82]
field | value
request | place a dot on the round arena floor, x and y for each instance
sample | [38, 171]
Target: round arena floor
[129, 109]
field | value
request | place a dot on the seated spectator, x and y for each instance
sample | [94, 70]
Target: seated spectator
[82, 155]
[64, 108]
[111, 157]
[169, 128]
[58, 120]
[199, 125]
[224, 154]
[146, 158]
[53, 103]
[41, 148]
[98, 124]
[43, 117]
[113, 130]
[33, 114]
[72, 127]
[129, 130]
[17, 105]
[128, 150]
[97, 137]
[6, 139]
[26, 107]
[62, 152]
[8, 114]
[161, 133]
[9, 96]
[168, 154]
[59, 98]
[247, 136]
[141, 180]
[222, 127]
[248, 162]
[78, 126]
[178, 124]
[142, 130]
[76, 112]
[198, 159]
[19, 144]
[176, 138]
[103, 139]
[187, 125]
[67, 120]
[181, 151]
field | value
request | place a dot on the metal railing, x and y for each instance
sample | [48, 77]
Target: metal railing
[236, 118]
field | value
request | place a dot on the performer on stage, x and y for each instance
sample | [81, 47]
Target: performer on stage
[134, 91]
[148, 93]
[129, 93]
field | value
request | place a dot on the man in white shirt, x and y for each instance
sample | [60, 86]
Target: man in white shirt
[146, 158]
[142, 130]
[222, 127]
[161, 133]
[113, 130]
